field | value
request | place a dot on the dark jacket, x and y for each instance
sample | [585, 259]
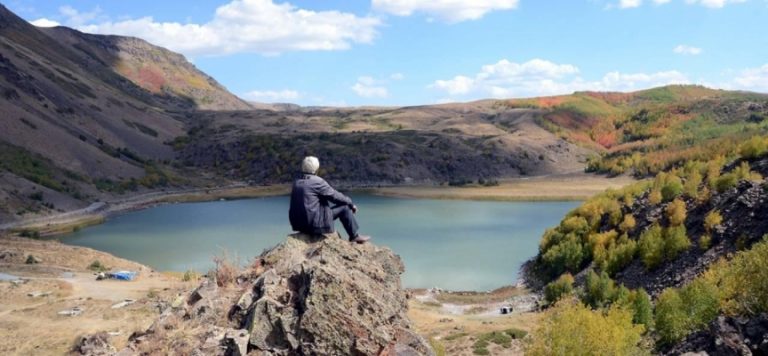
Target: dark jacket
[311, 201]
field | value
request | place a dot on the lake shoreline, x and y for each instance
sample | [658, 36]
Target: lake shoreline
[70, 221]
[566, 187]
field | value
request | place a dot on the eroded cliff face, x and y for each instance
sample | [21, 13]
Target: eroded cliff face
[306, 296]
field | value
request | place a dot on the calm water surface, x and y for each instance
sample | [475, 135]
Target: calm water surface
[452, 244]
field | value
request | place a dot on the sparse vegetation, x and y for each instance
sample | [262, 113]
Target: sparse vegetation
[225, 269]
[97, 266]
[189, 276]
[33, 234]
[36, 169]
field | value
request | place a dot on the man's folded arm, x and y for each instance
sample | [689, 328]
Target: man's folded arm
[325, 190]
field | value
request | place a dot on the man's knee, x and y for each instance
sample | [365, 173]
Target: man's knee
[346, 211]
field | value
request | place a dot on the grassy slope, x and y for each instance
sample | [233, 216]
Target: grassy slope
[652, 130]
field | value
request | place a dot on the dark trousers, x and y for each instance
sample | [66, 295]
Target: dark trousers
[347, 218]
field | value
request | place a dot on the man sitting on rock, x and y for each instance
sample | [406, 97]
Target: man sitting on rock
[311, 198]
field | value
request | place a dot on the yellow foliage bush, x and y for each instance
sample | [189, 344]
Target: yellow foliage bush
[754, 148]
[629, 223]
[570, 328]
[712, 220]
[654, 197]
[676, 212]
[744, 281]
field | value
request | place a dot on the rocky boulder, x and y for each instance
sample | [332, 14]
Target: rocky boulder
[307, 296]
[728, 336]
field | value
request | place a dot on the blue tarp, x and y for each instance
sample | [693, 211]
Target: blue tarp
[123, 275]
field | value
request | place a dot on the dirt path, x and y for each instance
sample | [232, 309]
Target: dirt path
[30, 319]
[455, 322]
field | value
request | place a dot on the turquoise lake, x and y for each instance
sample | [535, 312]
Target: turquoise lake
[451, 244]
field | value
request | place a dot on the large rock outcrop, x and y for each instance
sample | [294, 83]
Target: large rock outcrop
[728, 336]
[306, 296]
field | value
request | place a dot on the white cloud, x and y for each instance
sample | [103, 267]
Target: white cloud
[716, 4]
[752, 79]
[445, 10]
[538, 77]
[76, 18]
[459, 85]
[685, 49]
[397, 76]
[44, 22]
[259, 26]
[271, 96]
[367, 87]
[628, 4]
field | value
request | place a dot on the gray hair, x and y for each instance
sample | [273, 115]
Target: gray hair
[310, 165]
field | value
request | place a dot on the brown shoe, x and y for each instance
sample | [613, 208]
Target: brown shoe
[361, 239]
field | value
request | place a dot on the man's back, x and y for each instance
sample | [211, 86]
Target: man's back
[310, 210]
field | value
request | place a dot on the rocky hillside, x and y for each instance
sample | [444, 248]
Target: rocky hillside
[694, 238]
[155, 69]
[453, 143]
[305, 296]
[85, 116]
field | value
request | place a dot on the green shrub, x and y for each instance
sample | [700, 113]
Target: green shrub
[570, 328]
[753, 148]
[437, 346]
[558, 289]
[565, 256]
[599, 290]
[501, 338]
[705, 242]
[651, 246]
[691, 187]
[516, 334]
[682, 311]
[97, 266]
[642, 308]
[189, 275]
[726, 182]
[675, 241]
[551, 237]
[670, 317]
[702, 302]
[619, 255]
[744, 172]
[714, 168]
[744, 281]
[32, 234]
[672, 188]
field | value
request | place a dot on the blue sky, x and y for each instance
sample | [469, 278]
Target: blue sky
[409, 52]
